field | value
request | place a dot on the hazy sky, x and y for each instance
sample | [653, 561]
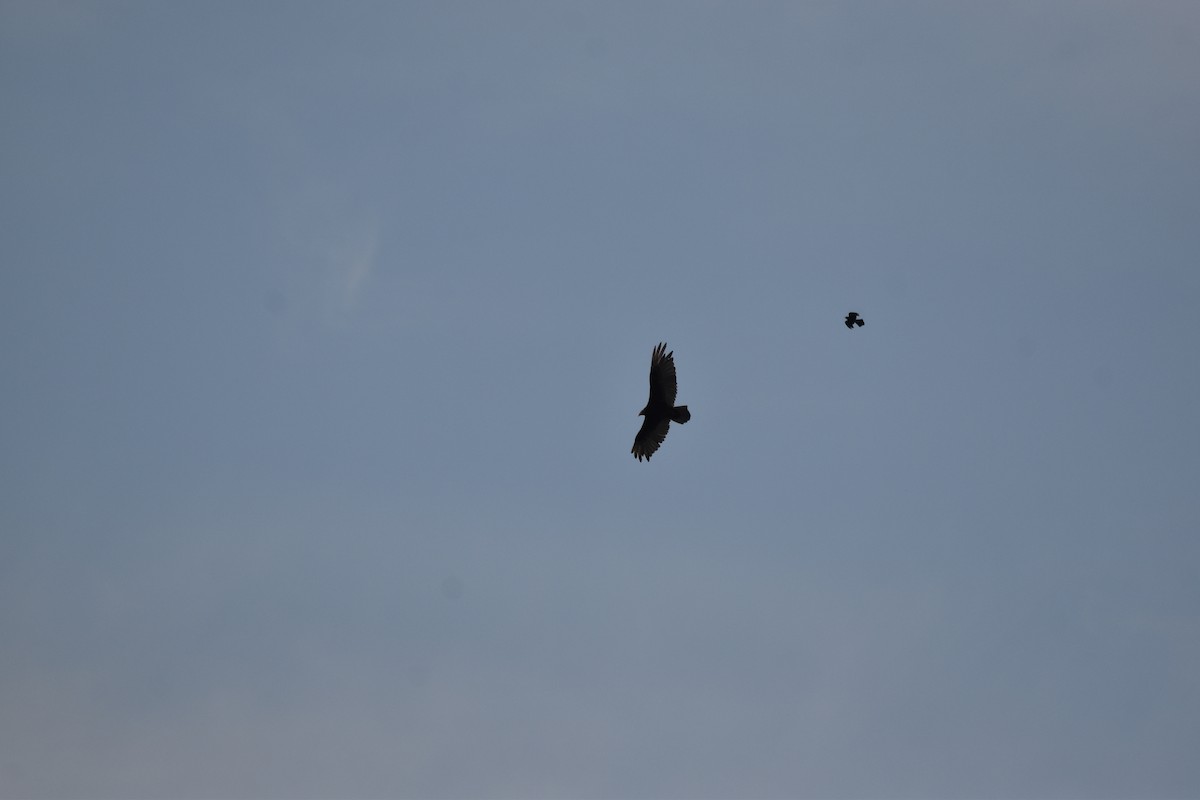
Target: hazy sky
[323, 332]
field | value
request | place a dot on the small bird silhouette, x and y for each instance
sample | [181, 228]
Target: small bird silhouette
[853, 319]
[660, 410]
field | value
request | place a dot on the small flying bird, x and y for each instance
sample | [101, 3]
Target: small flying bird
[853, 319]
[660, 410]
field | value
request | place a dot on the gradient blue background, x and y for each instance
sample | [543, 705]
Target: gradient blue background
[323, 331]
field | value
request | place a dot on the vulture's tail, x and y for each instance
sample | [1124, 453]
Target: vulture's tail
[680, 414]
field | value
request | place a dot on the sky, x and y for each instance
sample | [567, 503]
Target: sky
[323, 332]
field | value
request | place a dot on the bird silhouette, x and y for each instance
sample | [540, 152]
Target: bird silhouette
[660, 410]
[853, 319]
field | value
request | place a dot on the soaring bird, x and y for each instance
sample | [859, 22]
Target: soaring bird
[853, 319]
[660, 410]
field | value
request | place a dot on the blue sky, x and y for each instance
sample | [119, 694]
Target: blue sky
[323, 331]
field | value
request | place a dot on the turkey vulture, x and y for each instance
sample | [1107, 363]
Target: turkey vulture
[660, 410]
[853, 319]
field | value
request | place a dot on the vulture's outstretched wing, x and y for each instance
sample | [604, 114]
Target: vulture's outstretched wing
[650, 437]
[662, 377]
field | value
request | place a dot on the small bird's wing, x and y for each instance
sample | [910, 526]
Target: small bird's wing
[650, 437]
[662, 377]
